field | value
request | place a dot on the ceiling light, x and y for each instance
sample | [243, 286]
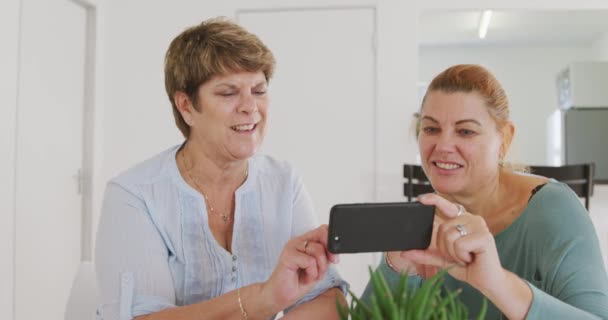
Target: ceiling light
[484, 23]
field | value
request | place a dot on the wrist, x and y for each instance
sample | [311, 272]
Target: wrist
[257, 302]
[399, 268]
[511, 295]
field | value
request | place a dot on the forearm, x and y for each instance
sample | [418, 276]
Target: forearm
[322, 307]
[225, 306]
[513, 297]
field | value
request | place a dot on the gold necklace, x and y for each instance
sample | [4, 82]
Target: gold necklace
[225, 216]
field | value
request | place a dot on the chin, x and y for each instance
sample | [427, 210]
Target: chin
[446, 188]
[244, 153]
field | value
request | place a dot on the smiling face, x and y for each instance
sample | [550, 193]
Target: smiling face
[231, 121]
[459, 142]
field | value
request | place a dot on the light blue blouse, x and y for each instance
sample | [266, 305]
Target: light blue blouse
[155, 250]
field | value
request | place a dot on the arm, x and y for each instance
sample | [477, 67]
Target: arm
[572, 283]
[131, 265]
[225, 306]
[322, 307]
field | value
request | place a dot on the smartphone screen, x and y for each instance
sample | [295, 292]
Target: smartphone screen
[378, 227]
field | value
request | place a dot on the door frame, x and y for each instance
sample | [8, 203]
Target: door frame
[10, 18]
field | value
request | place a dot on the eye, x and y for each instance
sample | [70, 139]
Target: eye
[430, 130]
[227, 93]
[466, 132]
[259, 92]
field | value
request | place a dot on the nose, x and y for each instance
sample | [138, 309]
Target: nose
[445, 143]
[247, 103]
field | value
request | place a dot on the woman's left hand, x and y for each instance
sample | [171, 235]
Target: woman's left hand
[465, 245]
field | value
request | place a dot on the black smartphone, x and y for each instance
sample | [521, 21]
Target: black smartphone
[377, 227]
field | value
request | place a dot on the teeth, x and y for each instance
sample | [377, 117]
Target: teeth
[244, 127]
[447, 166]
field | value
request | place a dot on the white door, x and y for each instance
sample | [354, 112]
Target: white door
[49, 156]
[325, 53]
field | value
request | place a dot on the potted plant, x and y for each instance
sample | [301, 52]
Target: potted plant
[427, 302]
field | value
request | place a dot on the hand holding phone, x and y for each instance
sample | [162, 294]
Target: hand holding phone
[378, 227]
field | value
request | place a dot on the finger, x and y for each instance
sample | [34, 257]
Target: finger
[307, 267]
[428, 258]
[433, 244]
[320, 235]
[429, 271]
[317, 251]
[295, 260]
[473, 244]
[447, 208]
[448, 235]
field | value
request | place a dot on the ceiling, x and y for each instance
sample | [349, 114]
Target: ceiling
[459, 28]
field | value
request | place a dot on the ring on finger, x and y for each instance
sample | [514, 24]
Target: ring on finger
[461, 230]
[460, 210]
[306, 245]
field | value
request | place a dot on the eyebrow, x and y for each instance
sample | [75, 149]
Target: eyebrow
[233, 86]
[457, 122]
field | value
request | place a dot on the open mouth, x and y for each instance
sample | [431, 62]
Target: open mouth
[244, 127]
[447, 165]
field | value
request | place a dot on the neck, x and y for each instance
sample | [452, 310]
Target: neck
[207, 166]
[486, 200]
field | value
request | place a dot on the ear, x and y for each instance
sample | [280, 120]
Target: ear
[184, 106]
[507, 132]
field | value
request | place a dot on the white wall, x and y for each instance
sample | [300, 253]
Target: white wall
[528, 76]
[599, 48]
[9, 37]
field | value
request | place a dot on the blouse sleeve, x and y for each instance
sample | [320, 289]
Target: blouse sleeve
[133, 275]
[304, 220]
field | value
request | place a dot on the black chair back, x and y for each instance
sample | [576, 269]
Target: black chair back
[579, 177]
[416, 182]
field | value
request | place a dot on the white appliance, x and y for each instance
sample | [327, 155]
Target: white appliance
[578, 129]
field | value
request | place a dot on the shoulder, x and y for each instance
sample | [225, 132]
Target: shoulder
[151, 170]
[556, 210]
[557, 197]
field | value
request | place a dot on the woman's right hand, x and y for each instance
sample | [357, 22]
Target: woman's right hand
[302, 264]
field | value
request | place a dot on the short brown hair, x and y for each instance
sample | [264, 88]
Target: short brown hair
[214, 47]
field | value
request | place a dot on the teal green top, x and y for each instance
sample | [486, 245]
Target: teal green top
[553, 246]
